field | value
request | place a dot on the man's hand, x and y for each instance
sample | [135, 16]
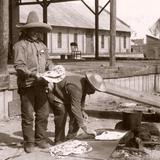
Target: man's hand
[89, 131]
[85, 115]
[35, 75]
[50, 87]
[38, 76]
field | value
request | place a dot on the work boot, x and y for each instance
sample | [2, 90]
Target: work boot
[71, 136]
[28, 147]
[58, 142]
[42, 144]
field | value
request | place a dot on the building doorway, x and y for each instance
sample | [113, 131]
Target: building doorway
[89, 43]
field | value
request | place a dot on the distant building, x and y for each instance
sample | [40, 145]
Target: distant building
[137, 45]
[155, 29]
[148, 46]
[74, 22]
[152, 42]
[152, 47]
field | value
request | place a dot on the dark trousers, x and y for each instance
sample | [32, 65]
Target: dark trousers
[60, 115]
[34, 100]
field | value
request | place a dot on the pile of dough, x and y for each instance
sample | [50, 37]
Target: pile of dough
[70, 147]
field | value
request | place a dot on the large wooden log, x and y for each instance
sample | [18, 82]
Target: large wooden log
[137, 96]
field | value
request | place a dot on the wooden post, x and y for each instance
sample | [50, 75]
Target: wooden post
[4, 35]
[4, 40]
[45, 17]
[96, 30]
[112, 32]
[45, 21]
[13, 31]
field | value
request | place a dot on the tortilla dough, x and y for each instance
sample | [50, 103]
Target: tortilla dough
[110, 135]
[70, 147]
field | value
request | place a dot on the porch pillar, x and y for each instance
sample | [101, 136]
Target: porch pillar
[4, 40]
[96, 29]
[45, 19]
[13, 31]
[112, 32]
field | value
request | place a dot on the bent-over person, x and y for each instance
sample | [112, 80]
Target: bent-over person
[68, 97]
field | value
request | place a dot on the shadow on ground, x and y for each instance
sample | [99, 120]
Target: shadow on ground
[19, 134]
[8, 140]
[49, 136]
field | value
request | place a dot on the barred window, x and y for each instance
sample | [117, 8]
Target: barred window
[59, 38]
[125, 39]
[75, 37]
[102, 41]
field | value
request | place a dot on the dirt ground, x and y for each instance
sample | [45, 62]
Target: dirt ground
[11, 136]
[10, 130]
[102, 67]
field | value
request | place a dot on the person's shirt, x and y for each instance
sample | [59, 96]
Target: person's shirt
[71, 91]
[30, 57]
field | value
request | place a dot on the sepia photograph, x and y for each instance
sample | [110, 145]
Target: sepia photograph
[79, 80]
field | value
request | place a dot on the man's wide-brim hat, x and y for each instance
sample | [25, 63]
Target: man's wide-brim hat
[33, 22]
[96, 81]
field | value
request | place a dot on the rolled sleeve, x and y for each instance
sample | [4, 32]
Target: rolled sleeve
[49, 64]
[20, 60]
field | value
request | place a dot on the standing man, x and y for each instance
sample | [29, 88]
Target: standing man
[68, 96]
[30, 61]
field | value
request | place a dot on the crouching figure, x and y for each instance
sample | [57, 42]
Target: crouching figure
[68, 97]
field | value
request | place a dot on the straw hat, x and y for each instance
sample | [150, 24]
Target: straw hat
[33, 22]
[96, 81]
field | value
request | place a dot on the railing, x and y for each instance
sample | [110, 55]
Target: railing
[145, 83]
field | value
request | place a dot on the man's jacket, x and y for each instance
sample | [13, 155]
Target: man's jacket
[29, 58]
[71, 92]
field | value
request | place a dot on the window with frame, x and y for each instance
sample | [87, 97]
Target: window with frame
[59, 38]
[124, 42]
[75, 37]
[102, 41]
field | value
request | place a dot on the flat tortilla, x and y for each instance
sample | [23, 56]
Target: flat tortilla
[110, 135]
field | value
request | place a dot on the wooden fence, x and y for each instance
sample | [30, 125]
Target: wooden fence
[146, 83]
